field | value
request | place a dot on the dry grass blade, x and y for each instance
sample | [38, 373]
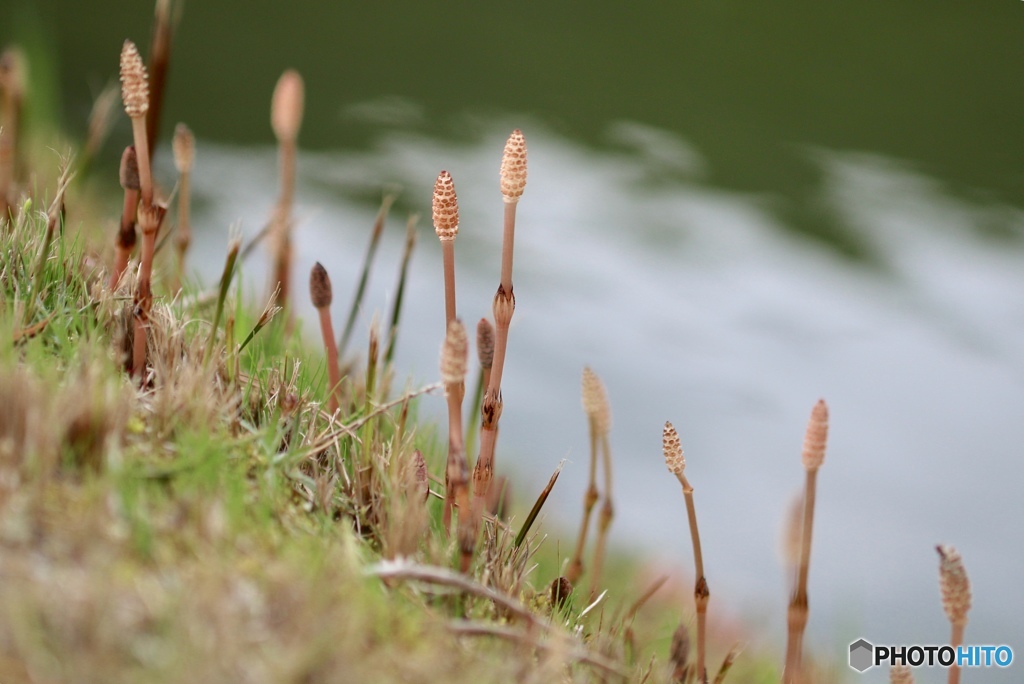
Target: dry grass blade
[403, 272]
[730, 658]
[537, 506]
[100, 120]
[364, 277]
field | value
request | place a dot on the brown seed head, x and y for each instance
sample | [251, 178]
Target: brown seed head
[816, 436]
[418, 465]
[129, 169]
[595, 401]
[679, 651]
[151, 216]
[184, 148]
[560, 589]
[954, 585]
[134, 81]
[901, 674]
[287, 105]
[485, 343]
[513, 167]
[446, 207]
[672, 449]
[320, 286]
[454, 354]
[11, 73]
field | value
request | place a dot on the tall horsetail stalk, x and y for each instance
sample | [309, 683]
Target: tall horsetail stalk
[321, 294]
[485, 355]
[445, 214]
[150, 218]
[512, 182]
[956, 599]
[593, 398]
[603, 414]
[126, 237]
[159, 62]
[286, 109]
[673, 452]
[12, 92]
[454, 360]
[813, 456]
[135, 94]
[184, 148]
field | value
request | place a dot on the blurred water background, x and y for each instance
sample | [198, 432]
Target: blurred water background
[732, 210]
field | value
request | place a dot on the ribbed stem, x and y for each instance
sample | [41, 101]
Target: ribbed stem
[590, 498]
[507, 245]
[331, 349]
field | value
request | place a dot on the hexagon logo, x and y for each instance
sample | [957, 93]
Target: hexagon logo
[861, 655]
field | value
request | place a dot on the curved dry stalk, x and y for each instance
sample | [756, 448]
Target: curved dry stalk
[813, 456]
[673, 453]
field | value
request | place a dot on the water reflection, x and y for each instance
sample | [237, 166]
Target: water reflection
[698, 305]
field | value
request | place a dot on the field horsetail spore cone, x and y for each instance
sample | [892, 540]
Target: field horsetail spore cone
[512, 182]
[321, 295]
[676, 463]
[126, 237]
[956, 598]
[454, 359]
[135, 94]
[813, 456]
[445, 210]
[286, 110]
